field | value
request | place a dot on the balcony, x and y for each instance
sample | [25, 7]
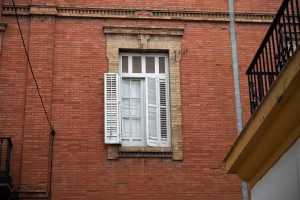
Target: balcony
[273, 129]
[5, 156]
[278, 46]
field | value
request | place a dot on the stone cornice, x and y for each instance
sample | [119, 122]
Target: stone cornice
[136, 13]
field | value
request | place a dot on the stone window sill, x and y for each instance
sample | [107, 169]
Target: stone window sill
[145, 152]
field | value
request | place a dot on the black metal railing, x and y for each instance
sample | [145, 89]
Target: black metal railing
[5, 156]
[279, 44]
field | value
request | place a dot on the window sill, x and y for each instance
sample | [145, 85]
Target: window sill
[145, 152]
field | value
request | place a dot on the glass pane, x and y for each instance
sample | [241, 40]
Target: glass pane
[162, 67]
[136, 64]
[135, 127]
[150, 65]
[124, 64]
[126, 107]
[125, 88]
[135, 107]
[135, 89]
[125, 127]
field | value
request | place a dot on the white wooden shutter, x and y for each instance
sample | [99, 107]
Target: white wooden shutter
[111, 104]
[151, 111]
[163, 117]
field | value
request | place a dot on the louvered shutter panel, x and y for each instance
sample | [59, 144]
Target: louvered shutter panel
[152, 113]
[111, 104]
[163, 118]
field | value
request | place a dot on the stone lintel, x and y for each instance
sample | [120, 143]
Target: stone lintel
[152, 30]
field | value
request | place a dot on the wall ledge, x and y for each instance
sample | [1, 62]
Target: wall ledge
[136, 13]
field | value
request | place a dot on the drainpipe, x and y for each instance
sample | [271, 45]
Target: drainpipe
[235, 68]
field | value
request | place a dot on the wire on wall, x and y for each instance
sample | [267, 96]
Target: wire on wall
[31, 69]
[52, 131]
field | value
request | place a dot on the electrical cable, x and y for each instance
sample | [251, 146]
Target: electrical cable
[51, 163]
[52, 132]
[30, 66]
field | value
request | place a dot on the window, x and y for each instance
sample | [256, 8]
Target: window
[143, 38]
[137, 102]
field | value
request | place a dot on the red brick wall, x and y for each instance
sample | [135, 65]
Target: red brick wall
[69, 58]
[268, 6]
[13, 81]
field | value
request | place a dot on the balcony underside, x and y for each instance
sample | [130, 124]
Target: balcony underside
[5, 188]
[272, 128]
[5, 191]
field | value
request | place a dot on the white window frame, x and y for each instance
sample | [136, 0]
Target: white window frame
[144, 75]
[142, 110]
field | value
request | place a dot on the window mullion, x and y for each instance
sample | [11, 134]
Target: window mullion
[129, 64]
[156, 61]
[143, 65]
[166, 68]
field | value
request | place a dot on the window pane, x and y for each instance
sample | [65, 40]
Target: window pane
[135, 107]
[162, 67]
[135, 98]
[136, 64]
[126, 108]
[125, 126]
[136, 127]
[150, 65]
[132, 112]
[126, 88]
[135, 89]
[124, 64]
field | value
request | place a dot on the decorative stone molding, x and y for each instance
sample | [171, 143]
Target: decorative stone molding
[177, 55]
[143, 41]
[2, 29]
[21, 9]
[137, 13]
[96, 12]
[43, 10]
[213, 16]
[151, 39]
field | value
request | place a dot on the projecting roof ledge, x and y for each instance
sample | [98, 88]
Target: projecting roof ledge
[271, 130]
